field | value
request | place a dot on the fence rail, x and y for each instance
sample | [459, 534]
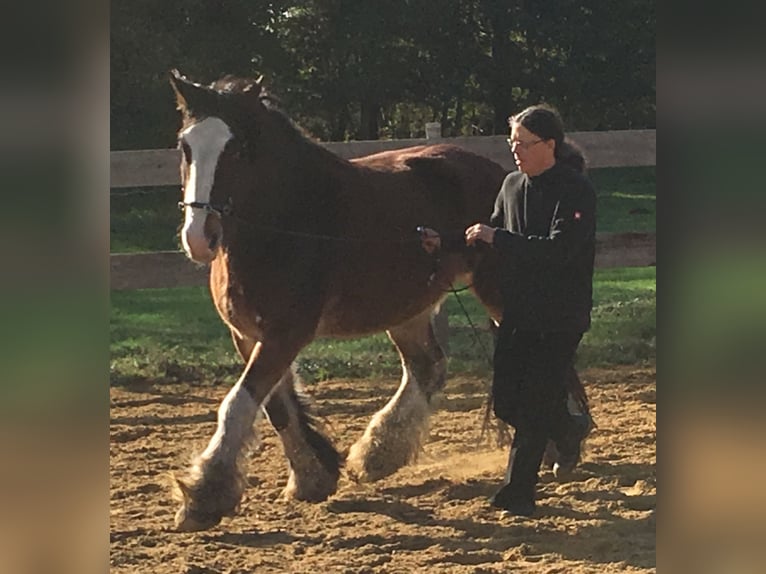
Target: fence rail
[164, 269]
[157, 167]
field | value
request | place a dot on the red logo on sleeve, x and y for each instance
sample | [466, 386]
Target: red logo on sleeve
[577, 215]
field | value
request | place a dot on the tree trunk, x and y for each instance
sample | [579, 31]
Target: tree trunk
[458, 128]
[369, 124]
[502, 68]
[339, 125]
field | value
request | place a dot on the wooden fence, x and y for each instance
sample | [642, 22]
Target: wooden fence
[602, 149]
[172, 269]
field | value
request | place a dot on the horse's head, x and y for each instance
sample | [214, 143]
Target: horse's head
[220, 124]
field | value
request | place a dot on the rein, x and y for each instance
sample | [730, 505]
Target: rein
[227, 210]
[501, 430]
[474, 329]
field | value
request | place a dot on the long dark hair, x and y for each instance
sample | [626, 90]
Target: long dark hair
[545, 122]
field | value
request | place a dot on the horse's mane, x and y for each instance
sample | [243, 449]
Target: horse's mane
[230, 84]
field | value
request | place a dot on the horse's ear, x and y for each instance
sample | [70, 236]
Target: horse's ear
[191, 98]
[176, 81]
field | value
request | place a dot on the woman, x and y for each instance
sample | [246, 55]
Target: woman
[543, 225]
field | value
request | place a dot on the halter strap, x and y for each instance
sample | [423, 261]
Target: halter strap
[219, 210]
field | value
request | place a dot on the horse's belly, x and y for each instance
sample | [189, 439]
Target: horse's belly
[361, 307]
[346, 317]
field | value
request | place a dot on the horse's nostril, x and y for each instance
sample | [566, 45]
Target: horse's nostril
[213, 243]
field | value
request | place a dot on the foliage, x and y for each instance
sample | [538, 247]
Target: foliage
[362, 69]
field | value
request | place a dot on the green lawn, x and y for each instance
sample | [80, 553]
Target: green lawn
[626, 199]
[175, 334]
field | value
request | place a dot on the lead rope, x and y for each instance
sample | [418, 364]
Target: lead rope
[227, 210]
[489, 423]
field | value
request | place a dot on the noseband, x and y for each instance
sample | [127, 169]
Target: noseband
[219, 210]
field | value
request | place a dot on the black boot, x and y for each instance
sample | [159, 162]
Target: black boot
[506, 499]
[517, 496]
[514, 503]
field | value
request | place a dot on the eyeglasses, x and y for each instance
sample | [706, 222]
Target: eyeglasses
[513, 144]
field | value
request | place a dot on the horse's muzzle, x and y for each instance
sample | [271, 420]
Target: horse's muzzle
[202, 246]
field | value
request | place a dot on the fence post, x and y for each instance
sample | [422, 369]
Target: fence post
[440, 320]
[433, 130]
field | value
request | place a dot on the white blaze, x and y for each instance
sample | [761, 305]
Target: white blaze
[206, 139]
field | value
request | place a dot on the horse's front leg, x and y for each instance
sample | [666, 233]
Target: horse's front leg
[215, 481]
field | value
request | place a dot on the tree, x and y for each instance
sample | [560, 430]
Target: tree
[360, 69]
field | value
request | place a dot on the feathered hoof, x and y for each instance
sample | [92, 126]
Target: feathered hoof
[365, 466]
[307, 495]
[316, 486]
[205, 501]
[186, 520]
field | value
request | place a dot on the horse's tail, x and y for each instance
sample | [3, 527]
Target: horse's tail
[314, 428]
[575, 393]
[500, 431]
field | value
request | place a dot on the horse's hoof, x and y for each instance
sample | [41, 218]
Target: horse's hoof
[367, 473]
[313, 496]
[189, 521]
[310, 490]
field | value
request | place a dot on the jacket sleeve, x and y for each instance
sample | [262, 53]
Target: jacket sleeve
[572, 231]
[498, 213]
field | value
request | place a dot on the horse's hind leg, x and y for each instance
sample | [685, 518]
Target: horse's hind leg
[313, 462]
[395, 433]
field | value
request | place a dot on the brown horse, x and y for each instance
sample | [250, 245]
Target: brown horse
[303, 244]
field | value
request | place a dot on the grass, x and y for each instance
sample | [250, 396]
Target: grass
[176, 335]
[626, 199]
[144, 219]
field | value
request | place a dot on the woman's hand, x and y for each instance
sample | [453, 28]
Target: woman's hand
[479, 232]
[430, 240]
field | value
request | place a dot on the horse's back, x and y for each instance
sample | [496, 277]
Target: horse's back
[444, 156]
[443, 176]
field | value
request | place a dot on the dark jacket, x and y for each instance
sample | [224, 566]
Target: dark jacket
[546, 235]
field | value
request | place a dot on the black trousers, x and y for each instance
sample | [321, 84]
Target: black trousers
[529, 392]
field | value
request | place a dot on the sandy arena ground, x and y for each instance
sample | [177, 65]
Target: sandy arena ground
[432, 516]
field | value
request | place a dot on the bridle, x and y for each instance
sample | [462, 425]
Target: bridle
[220, 210]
